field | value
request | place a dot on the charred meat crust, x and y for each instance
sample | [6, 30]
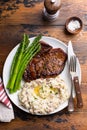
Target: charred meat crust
[49, 62]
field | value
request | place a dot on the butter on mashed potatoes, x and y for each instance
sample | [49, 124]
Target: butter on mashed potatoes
[43, 96]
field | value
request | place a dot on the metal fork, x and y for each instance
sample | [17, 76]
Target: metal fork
[72, 69]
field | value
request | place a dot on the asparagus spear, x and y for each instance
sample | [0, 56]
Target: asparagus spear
[17, 57]
[26, 40]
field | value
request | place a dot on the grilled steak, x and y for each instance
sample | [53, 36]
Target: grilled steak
[48, 62]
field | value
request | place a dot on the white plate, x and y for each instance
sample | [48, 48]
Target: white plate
[65, 73]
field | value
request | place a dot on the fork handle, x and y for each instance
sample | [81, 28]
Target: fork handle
[71, 102]
[78, 92]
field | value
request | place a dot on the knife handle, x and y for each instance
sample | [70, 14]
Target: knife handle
[78, 92]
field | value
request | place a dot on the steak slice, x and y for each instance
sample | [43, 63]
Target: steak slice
[48, 62]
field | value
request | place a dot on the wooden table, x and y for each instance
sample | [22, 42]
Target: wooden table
[25, 16]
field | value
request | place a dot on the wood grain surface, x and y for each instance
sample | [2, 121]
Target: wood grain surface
[25, 16]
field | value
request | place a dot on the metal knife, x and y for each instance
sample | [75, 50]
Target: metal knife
[75, 77]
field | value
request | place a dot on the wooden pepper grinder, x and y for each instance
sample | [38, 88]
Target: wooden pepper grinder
[51, 10]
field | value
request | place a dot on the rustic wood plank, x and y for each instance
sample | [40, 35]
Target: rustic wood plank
[13, 33]
[18, 13]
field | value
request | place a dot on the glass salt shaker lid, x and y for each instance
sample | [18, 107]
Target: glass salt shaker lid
[52, 6]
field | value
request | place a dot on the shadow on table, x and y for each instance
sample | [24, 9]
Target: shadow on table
[25, 116]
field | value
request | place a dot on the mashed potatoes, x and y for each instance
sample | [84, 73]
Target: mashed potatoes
[43, 96]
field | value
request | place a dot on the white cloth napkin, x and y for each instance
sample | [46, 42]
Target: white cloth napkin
[6, 109]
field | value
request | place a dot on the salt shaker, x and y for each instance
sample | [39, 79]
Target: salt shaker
[51, 9]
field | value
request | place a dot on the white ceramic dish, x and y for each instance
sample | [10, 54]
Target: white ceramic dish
[65, 73]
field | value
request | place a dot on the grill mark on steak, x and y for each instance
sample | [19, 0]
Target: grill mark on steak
[49, 62]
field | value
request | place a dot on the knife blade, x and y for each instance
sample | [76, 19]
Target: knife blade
[76, 77]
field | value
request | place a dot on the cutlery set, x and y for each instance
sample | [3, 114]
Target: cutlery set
[72, 63]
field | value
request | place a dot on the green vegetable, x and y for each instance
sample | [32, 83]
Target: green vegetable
[23, 45]
[23, 67]
[22, 57]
